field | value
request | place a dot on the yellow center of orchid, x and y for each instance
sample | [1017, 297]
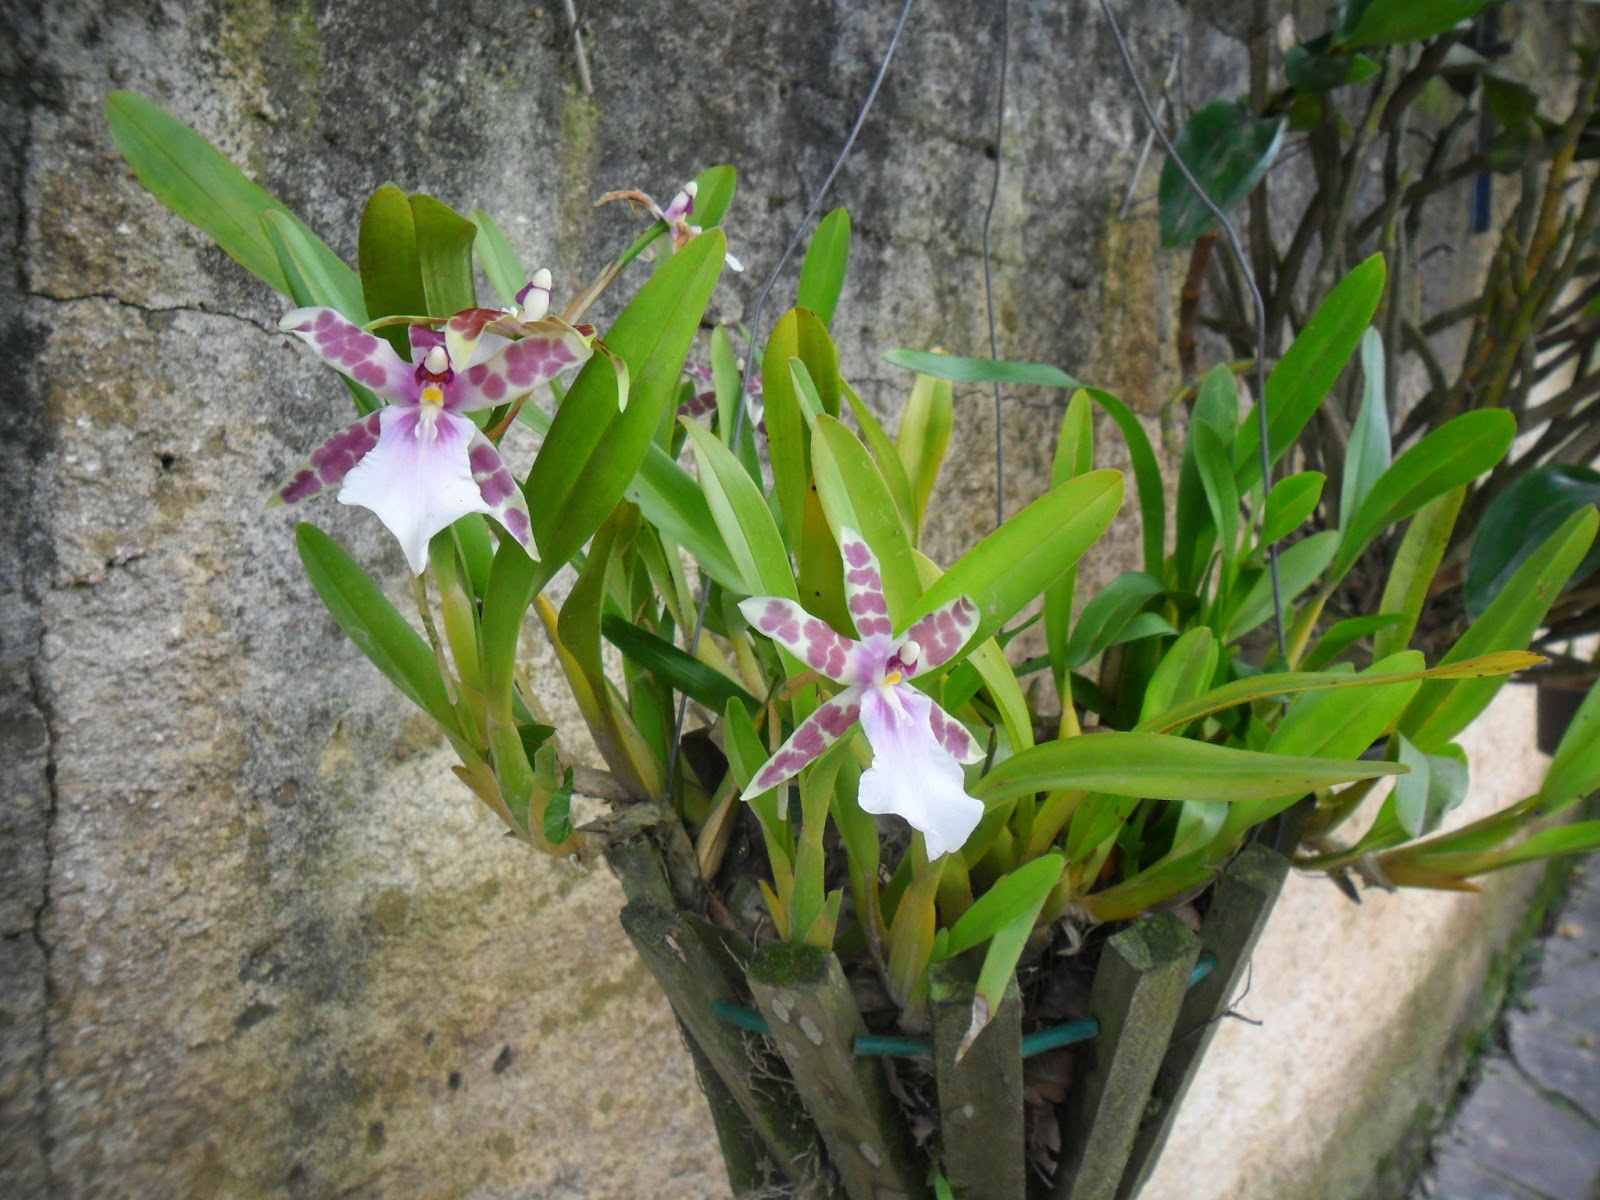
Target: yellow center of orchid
[433, 395]
[892, 678]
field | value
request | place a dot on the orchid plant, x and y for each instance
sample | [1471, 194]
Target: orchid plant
[958, 797]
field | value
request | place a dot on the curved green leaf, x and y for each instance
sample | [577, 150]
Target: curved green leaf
[1161, 767]
[742, 516]
[678, 669]
[1034, 548]
[1387, 22]
[822, 272]
[1442, 710]
[444, 256]
[1519, 520]
[980, 370]
[499, 258]
[1575, 770]
[361, 609]
[1454, 454]
[1309, 368]
[195, 180]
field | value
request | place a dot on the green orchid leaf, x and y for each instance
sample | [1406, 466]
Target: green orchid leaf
[1309, 368]
[1415, 564]
[799, 334]
[444, 256]
[1369, 452]
[1519, 520]
[593, 452]
[1575, 771]
[391, 273]
[1299, 566]
[1030, 551]
[196, 181]
[923, 439]
[1443, 708]
[1420, 809]
[360, 608]
[671, 501]
[309, 285]
[854, 496]
[1456, 453]
[1016, 897]
[886, 457]
[1390, 22]
[1074, 457]
[1185, 672]
[679, 670]
[498, 257]
[822, 273]
[1341, 635]
[1108, 614]
[1288, 683]
[1290, 503]
[743, 519]
[1222, 498]
[1310, 69]
[1228, 149]
[714, 191]
[1217, 406]
[314, 277]
[676, 504]
[980, 370]
[558, 812]
[1161, 767]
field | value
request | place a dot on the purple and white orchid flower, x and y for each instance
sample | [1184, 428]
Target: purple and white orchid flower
[917, 747]
[418, 462]
[676, 215]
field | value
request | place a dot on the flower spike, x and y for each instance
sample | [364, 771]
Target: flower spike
[917, 747]
[420, 464]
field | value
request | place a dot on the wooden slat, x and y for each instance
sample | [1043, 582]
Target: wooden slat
[1138, 989]
[980, 1097]
[1244, 899]
[803, 993]
[692, 977]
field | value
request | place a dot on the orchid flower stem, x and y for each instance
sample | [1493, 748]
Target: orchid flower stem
[419, 589]
[586, 299]
[499, 431]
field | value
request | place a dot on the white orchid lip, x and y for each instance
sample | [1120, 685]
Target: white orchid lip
[918, 749]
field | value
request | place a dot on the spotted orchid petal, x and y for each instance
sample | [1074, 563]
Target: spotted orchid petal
[863, 589]
[331, 461]
[952, 734]
[348, 348]
[811, 738]
[940, 634]
[518, 368]
[498, 487]
[812, 641]
[912, 774]
[418, 479]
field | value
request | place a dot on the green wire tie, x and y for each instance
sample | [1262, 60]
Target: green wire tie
[882, 1045]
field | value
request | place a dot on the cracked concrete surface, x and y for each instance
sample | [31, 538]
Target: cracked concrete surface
[254, 939]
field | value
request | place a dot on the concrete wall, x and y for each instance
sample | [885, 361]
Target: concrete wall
[254, 938]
